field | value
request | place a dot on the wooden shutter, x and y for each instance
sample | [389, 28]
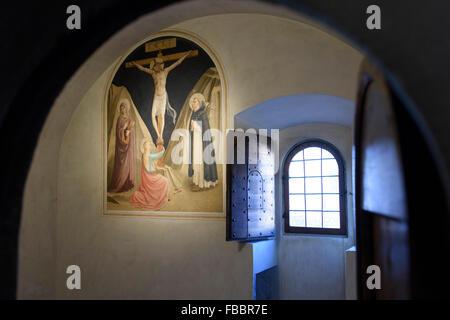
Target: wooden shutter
[251, 194]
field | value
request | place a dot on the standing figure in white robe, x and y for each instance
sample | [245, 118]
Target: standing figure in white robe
[202, 165]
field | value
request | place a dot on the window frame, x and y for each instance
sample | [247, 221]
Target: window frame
[342, 189]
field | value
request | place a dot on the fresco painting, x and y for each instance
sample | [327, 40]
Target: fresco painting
[164, 88]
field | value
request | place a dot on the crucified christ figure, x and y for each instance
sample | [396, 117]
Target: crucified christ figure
[160, 100]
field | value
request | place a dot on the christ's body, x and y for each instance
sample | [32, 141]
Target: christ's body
[159, 75]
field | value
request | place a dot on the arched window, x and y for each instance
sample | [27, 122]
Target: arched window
[314, 189]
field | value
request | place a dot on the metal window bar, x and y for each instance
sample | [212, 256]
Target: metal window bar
[304, 187]
[321, 184]
[332, 176]
[315, 210]
[312, 159]
[312, 194]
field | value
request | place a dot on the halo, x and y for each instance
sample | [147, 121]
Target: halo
[126, 102]
[148, 139]
[200, 97]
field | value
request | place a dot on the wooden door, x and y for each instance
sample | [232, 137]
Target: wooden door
[401, 208]
[381, 215]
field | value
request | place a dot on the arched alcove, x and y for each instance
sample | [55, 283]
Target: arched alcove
[288, 111]
[33, 97]
[69, 196]
[309, 261]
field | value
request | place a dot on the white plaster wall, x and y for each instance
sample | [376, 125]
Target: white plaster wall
[141, 257]
[313, 266]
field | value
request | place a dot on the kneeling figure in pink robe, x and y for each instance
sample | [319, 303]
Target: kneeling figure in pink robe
[154, 188]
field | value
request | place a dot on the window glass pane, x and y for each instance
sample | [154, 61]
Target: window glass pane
[313, 185]
[296, 169]
[296, 185]
[314, 202]
[331, 220]
[331, 202]
[312, 168]
[296, 202]
[298, 156]
[312, 153]
[331, 185]
[330, 167]
[297, 218]
[326, 154]
[314, 189]
[313, 219]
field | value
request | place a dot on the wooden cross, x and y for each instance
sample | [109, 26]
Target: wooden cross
[158, 46]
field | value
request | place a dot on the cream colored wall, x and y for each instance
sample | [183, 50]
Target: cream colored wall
[142, 257]
[265, 57]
